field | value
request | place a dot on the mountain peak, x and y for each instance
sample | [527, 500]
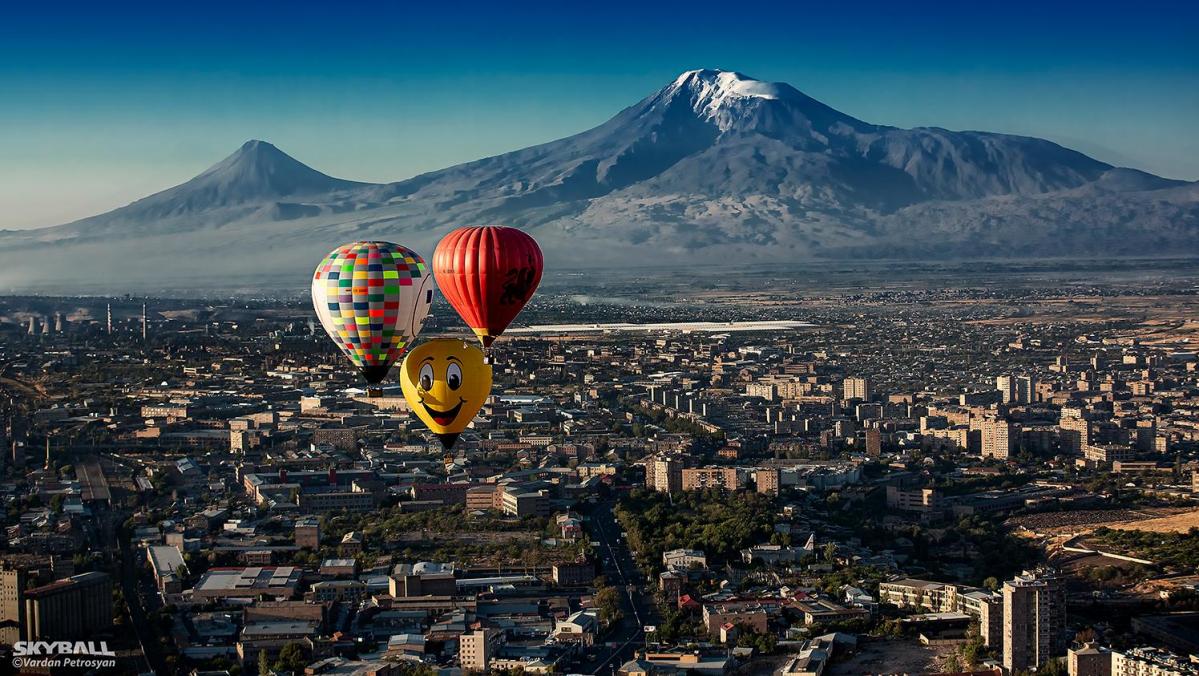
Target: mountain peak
[720, 85]
[260, 170]
[735, 101]
[256, 151]
[255, 146]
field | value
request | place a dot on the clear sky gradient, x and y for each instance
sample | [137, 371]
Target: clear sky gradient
[104, 103]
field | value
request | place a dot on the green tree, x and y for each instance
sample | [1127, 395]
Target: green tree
[830, 551]
[291, 658]
[971, 650]
[607, 601]
[264, 666]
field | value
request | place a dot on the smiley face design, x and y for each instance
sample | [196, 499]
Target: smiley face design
[446, 382]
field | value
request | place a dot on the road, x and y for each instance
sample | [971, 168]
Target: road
[637, 604]
[136, 596]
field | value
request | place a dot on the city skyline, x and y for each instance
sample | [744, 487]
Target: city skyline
[1002, 462]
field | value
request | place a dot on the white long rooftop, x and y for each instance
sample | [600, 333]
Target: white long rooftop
[696, 327]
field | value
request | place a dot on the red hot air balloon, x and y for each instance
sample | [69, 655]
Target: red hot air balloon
[487, 273]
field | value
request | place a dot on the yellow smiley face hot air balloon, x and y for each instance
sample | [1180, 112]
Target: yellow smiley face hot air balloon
[446, 382]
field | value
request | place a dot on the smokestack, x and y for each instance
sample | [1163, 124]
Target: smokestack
[47, 452]
[143, 322]
[109, 326]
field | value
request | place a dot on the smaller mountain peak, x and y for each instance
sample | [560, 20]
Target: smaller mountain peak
[259, 170]
[255, 146]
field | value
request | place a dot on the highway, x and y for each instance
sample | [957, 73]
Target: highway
[637, 604]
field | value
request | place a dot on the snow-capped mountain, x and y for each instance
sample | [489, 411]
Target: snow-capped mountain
[715, 166]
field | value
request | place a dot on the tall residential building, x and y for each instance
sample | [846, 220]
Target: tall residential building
[1074, 431]
[1146, 435]
[1026, 390]
[1007, 388]
[666, 475]
[12, 604]
[1034, 620]
[874, 442]
[74, 608]
[856, 388]
[997, 438]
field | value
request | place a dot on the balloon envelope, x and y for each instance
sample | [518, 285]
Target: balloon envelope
[487, 273]
[372, 298]
[446, 381]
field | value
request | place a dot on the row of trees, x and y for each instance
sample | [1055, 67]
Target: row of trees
[1175, 551]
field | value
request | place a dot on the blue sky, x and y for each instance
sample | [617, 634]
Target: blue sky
[101, 104]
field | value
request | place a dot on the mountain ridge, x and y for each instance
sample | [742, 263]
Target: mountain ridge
[713, 163]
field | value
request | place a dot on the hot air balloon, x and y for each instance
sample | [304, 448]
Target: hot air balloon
[446, 381]
[488, 274]
[372, 299]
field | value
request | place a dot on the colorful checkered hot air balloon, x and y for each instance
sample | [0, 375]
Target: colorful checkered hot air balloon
[372, 299]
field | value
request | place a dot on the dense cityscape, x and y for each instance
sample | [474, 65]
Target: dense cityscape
[759, 475]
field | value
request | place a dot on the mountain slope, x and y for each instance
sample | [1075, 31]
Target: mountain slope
[714, 165]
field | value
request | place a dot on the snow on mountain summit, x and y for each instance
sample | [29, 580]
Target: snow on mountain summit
[716, 86]
[735, 101]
